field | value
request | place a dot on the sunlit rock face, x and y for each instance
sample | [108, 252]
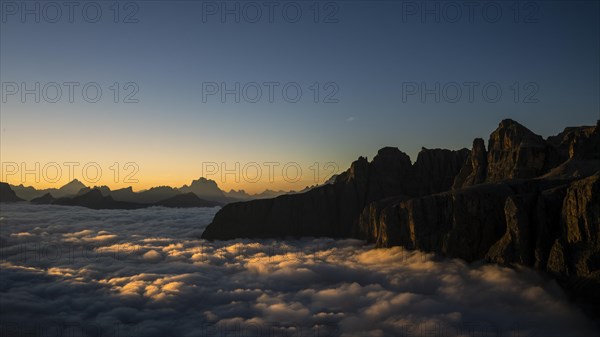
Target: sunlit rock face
[79, 272]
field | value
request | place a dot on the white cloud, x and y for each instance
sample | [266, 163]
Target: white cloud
[148, 273]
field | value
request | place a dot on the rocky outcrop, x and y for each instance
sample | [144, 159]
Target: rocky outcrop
[463, 223]
[577, 142]
[567, 244]
[435, 170]
[524, 201]
[329, 210]
[333, 210]
[373, 227]
[581, 149]
[540, 221]
[474, 171]
[516, 246]
[457, 200]
[578, 245]
[550, 225]
[7, 194]
[514, 152]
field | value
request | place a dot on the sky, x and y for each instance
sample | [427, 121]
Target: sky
[338, 80]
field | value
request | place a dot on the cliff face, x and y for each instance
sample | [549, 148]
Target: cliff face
[575, 254]
[474, 171]
[333, 210]
[515, 152]
[549, 219]
[459, 224]
[524, 200]
[474, 187]
[436, 169]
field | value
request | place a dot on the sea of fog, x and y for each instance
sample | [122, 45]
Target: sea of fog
[70, 271]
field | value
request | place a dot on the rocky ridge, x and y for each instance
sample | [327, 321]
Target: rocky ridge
[523, 200]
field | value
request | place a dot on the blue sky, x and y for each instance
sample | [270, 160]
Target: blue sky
[366, 52]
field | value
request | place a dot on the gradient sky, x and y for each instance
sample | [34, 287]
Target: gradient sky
[371, 49]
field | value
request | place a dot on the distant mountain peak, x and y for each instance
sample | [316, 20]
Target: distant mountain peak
[74, 184]
[205, 181]
[204, 188]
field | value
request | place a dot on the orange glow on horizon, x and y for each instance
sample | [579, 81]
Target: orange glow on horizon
[145, 181]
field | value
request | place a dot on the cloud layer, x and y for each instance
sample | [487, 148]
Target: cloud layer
[69, 271]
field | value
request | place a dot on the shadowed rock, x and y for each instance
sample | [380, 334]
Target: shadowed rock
[516, 246]
[333, 210]
[95, 200]
[435, 170]
[474, 170]
[523, 201]
[514, 152]
[44, 199]
[7, 194]
[186, 200]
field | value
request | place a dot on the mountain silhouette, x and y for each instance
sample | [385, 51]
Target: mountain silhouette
[95, 199]
[205, 189]
[186, 200]
[523, 200]
[27, 192]
[44, 199]
[7, 194]
[72, 188]
[203, 186]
